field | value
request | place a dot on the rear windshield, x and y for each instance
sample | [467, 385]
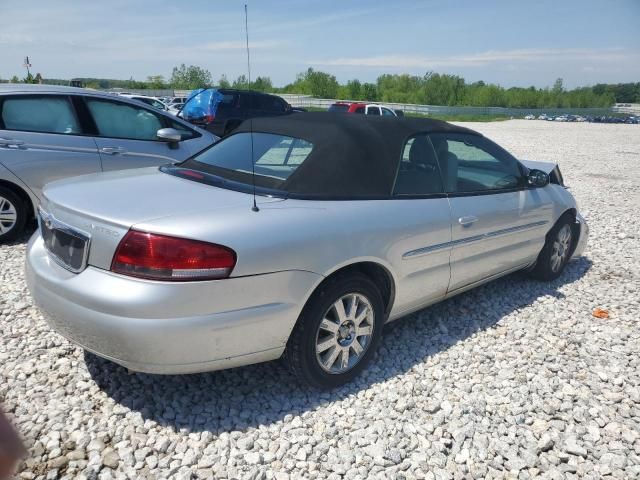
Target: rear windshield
[276, 158]
[339, 108]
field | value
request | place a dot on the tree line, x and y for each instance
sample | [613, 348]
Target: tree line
[429, 89]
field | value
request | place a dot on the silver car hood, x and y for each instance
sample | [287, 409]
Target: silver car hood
[546, 167]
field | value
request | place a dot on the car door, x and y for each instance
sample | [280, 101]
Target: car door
[421, 253]
[42, 139]
[126, 135]
[498, 223]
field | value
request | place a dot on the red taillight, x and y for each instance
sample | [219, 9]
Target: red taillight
[159, 257]
[209, 118]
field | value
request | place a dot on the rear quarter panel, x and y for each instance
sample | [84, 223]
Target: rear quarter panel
[323, 236]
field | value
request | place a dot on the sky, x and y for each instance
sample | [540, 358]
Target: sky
[511, 43]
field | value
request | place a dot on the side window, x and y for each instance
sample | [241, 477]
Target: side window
[121, 120]
[418, 172]
[280, 105]
[387, 113]
[48, 114]
[267, 103]
[373, 111]
[228, 102]
[471, 163]
[359, 110]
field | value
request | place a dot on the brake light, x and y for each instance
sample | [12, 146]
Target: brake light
[160, 257]
[209, 118]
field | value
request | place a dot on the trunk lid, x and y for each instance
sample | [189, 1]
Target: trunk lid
[105, 206]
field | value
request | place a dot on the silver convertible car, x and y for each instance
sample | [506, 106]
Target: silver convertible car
[297, 236]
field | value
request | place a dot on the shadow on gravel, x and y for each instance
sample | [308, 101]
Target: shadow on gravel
[265, 393]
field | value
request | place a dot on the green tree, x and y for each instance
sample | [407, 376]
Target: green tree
[189, 78]
[241, 82]
[156, 82]
[15, 79]
[223, 82]
[29, 78]
[262, 84]
[354, 90]
[369, 92]
[557, 87]
[321, 84]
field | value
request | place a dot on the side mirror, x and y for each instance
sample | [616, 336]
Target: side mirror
[537, 178]
[169, 135]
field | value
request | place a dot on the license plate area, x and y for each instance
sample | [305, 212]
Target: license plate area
[67, 246]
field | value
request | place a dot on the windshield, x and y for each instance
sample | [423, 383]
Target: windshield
[339, 108]
[276, 158]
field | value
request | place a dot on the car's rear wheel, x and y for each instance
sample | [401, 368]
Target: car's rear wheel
[337, 332]
[556, 251]
[13, 215]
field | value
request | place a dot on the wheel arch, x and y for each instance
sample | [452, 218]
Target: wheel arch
[21, 193]
[571, 213]
[378, 273]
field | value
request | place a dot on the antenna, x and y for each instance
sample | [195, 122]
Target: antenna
[246, 30]
[254, 208]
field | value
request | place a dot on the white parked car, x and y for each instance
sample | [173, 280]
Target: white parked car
[152, 101]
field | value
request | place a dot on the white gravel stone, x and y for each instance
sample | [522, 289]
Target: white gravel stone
[515, 379]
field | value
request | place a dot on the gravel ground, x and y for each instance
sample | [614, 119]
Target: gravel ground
[516, 379]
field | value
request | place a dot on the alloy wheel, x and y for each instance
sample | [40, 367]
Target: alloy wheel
[8, 216]
[561, 248]
[345, 333]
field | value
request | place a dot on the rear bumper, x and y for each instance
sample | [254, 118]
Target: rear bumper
[165, 327]
[583, 236]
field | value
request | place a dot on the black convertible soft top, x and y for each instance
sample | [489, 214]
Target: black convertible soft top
[353, 156]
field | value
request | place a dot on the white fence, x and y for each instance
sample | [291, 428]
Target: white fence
[307, 101]
[631, 108]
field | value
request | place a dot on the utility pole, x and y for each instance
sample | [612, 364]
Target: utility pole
[27, 65]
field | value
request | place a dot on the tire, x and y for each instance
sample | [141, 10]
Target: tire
[556, 252]
[13, 215]
[307, 353]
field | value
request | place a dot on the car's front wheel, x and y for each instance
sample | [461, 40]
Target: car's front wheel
[337, 332]
[13, 215]
[556, 252]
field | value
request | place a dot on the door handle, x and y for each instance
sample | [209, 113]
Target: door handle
[467, 221]
[10, 142]
[112, 150]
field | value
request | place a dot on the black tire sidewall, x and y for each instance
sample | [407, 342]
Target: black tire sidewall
[21, 211]
[309, 321]
[542, 269]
